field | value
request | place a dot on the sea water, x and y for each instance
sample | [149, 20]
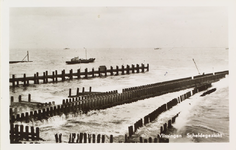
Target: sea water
[198, 115]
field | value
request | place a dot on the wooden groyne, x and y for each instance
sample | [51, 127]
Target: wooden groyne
[154, 114]
[55, 76]
[94, 102]
[84, 94]
[163, 108]
[20, 133]
[101, 138]
[18, 106]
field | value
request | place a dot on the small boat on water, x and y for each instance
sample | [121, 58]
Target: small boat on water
[77, 60]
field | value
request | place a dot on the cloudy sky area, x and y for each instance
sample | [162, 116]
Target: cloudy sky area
[118, 27]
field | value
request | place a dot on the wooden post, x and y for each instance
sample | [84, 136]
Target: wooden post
[132, 68]
[147, 67]
[90, 89]
[21, 132]
[37, 78]
[86, 73]
[71, 74]
[77, 140]
[150, 140]
[83, 90]
[161, 129]
[13, 80]
[24, 79]
[56, 74]
[29, 98]
[130, 131]
[77, 92]
[60, 136]
[165, 127]
[63, 75]
[173, 119]
[92, 72]
[32, 133]
[117, 70]
[89, 138]
[127, 69]
[53, 77]
[85, 137]
[111, 70]
[27, 133]
[81, 137]
[98, 138]
[99, 72]
[94, 136]
[169, 124]
[123, 69]
[111, 138]
[12, 99]
[19, 98]
[46, 77]
[126, 139]
[137, 69]
[103, 138]
[69, 92]
[142, 67]
[140, 139]
[105, 71]
[56, 138]
[16, 133]
[37, 134]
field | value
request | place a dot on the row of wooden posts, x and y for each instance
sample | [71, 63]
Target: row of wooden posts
[154, 114]
[52, 111]
[29, 101]
[84, 93]
[95, 102]
[20, 132]
[102, 71]
[93, 138]
[99, 138]
[184, 82]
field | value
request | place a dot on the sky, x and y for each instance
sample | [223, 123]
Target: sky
[118, 27]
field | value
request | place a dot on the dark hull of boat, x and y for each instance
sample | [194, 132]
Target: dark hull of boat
[81, 61]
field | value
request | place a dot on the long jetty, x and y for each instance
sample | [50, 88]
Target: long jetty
[54, 77]
[110, 99]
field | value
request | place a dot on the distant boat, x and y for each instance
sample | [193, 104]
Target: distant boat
[66, 48]
[77, 60]
[157, 48]
[23, 60]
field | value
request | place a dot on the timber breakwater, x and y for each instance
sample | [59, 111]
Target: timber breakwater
[56, 77]
[95, 101]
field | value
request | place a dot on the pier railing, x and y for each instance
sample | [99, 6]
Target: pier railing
[54, 77]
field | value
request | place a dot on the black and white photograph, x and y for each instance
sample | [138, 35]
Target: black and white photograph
[83, 75]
